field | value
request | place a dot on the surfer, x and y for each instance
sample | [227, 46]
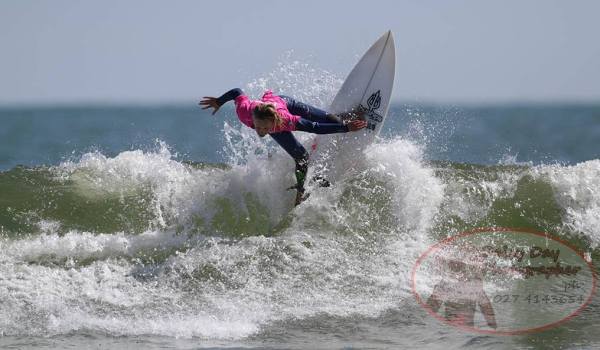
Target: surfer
[279, 115]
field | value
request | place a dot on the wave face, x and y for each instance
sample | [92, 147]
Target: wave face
[143, 244]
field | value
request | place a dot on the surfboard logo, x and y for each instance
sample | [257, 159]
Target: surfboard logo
[374, 101]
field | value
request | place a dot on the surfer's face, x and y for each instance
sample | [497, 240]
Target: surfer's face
[262, 127]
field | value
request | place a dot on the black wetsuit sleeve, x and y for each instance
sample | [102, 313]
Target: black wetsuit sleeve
[320, 128]
[229, 95]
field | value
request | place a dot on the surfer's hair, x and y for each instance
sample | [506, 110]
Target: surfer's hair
[267, 112]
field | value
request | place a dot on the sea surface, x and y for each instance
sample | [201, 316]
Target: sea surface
[165, 227]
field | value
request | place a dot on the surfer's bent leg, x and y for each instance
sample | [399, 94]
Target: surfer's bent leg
[295, 149]
[309, 112]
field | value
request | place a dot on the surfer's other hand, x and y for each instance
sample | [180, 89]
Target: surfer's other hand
[210, 102]
[355, 125]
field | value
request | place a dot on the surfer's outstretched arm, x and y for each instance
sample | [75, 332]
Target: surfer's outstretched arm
[329, 128]
[229, 96]
[217, 102]
[318, 121]
[355, 113]
[316, 114]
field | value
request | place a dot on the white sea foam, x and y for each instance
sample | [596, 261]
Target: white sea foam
[169, 283]
[217, 287]
[577, 191]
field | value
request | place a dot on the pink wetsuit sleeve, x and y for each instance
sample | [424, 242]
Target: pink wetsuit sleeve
[243, 108]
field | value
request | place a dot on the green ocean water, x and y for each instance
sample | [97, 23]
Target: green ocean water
[165, 227]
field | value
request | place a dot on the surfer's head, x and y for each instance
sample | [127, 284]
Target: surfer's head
[265, 117]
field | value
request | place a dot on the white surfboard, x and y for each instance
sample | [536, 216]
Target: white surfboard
[369, 85]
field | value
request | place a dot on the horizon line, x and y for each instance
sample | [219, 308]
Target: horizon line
[395, 102]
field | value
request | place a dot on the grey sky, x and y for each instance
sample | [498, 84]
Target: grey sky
[174, 51]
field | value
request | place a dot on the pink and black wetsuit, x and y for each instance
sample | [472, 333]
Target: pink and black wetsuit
[297, 116]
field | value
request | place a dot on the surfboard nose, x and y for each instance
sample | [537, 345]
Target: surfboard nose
[389, 36]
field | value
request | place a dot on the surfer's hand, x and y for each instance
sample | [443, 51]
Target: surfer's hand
[359, 112]
[210, 102]
[356, 125]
